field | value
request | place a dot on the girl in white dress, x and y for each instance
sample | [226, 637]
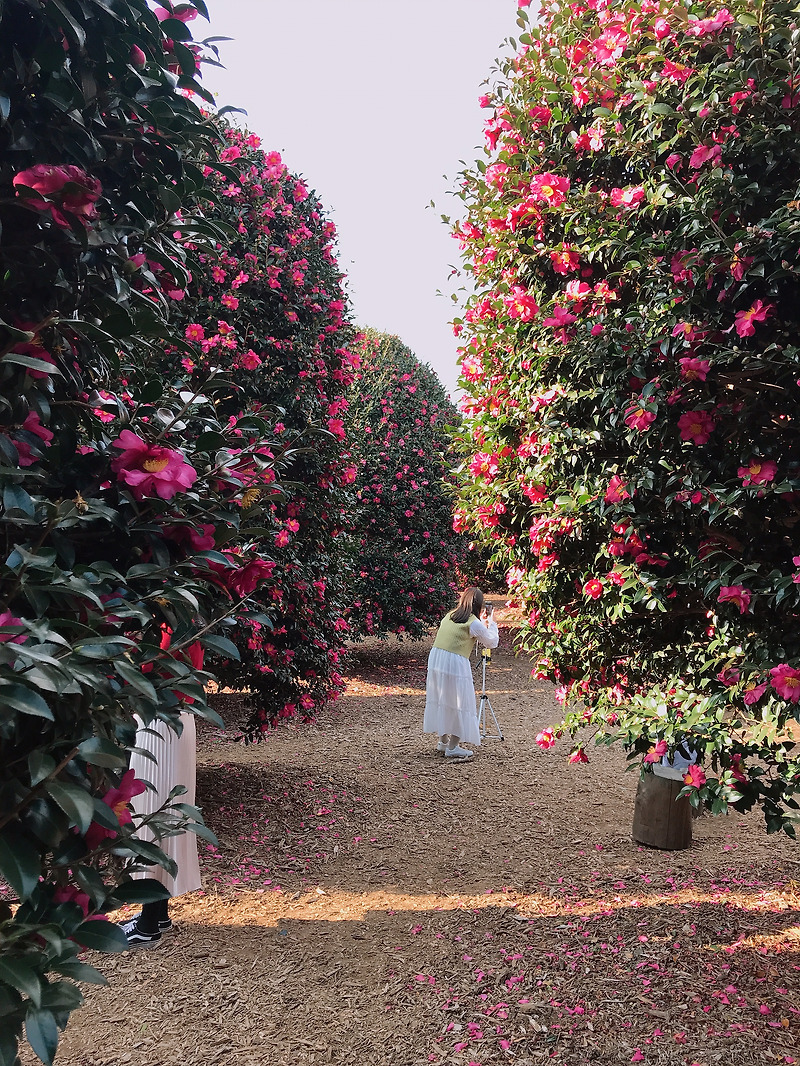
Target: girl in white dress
[450, 707]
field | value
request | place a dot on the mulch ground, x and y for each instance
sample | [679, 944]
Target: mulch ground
[371, 904]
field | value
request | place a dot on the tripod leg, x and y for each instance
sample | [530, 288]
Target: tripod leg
[494, 719]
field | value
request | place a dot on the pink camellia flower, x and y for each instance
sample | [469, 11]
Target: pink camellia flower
[785, 680]
[485, 465]
[565, 261]
[181, 12]
[737, 594]
[194, 332]
[729, 676]
[661, 29]
[200, 538]
[150, 469]
[521, 304]
[550, 188]
[9, 619]
[674, 160]
[545, 739]
[639, 417]
[32, 424]
[578, 755]
[282, 538]
[632, 196]
[704, 27]
[617, 490]
[118, 799]
[610, 45]
[560, 318]
[593, 588]
[737, 770]
[540, 115]
[657, 753]
[137, 57]
[694, 369]
[61, 189]
[753, 692]
[758, 471]
[745, 320]
[250, 360]
[578, 291]
[706, 153]
[677, 73]
[695, 776]
[336, 427]
[535, 492]
[73, 894]
[696, 426]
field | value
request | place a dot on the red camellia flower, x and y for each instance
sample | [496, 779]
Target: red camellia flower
[785, 680]
[657, 753]
[696, 426]
[593, 588]
[758, 471]
[545, 739]
[579, 755]
[695, 776]
[737, 594]
[118, 799]
[617, 490]
[150, 469]
[9, 619]
[61, 189]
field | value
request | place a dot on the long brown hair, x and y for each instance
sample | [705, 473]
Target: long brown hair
[471, 602]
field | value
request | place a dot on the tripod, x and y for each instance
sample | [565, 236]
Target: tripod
[485, 704]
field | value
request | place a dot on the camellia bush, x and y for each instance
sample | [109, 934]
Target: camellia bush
[407, 556]
[118, 485]
[632, 365]
[266, 307]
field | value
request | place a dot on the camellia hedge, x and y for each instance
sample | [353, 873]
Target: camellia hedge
[631, 361]
[119, 486]
[266, 306]
[407, 556]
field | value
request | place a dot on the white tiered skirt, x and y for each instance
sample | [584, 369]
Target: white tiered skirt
[450, 705]
[175, 765]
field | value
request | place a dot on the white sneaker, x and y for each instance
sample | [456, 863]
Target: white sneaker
[458, 753]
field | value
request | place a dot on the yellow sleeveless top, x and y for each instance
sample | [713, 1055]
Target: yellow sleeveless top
[454, 636]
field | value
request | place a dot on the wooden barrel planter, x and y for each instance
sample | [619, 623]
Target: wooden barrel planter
[660, 819]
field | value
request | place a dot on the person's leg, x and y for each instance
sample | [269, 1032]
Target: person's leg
[154, 916]
[455, 751]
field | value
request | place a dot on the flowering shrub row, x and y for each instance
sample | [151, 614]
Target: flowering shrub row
[139, 478]
[631, 364]
[407, 557]
[266, 308]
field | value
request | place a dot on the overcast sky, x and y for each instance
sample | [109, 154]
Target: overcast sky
[374, 103]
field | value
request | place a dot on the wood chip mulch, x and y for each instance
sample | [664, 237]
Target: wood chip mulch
[370, 904]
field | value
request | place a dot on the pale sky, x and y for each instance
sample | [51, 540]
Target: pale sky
[373, 103]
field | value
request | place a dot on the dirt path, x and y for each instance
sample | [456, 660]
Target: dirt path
[370, 904]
